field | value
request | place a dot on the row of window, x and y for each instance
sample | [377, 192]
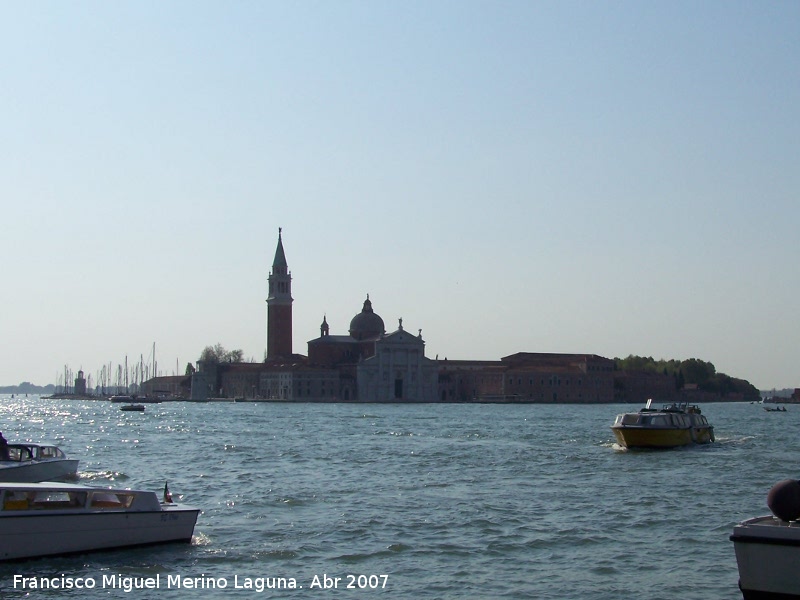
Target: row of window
[552, 381]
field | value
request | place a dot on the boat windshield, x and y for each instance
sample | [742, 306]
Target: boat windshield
[50, 452]
[628, 419]
[111, 500]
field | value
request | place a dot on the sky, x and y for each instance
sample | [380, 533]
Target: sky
[606, 178]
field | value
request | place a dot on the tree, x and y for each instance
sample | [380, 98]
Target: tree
[697, 371]
[679, 380]
[692, 371]
[218, 354]
[636, 363]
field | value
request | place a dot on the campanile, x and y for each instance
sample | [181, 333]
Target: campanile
[279, 306]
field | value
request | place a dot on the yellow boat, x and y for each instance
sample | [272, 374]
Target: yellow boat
[671, 426]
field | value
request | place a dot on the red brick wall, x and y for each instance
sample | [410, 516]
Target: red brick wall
[279, 330]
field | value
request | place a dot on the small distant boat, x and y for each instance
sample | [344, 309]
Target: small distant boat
[671, 426]
[36, 462]
[122, 398]
[133, 407]
[768, 548]
[47, 519]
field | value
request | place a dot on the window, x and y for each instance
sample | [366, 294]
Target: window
[55, 500]
[111, 500]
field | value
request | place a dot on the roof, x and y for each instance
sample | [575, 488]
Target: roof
[239, 366]
[446, 363]
[293, 360]
[30, 445]
[167, 379]
[548, 357]
[280, 256]
[367, 324]
[61, 486]
[403, 335]
[334, 339]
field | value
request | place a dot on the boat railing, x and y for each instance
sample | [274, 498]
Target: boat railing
[682, 407]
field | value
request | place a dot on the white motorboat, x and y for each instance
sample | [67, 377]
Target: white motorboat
[45, 519]
[36, 462]
[768, 548]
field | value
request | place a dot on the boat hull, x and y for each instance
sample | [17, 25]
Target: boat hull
[645, 437]
[31, 536]
[768, 555]
[33, 471]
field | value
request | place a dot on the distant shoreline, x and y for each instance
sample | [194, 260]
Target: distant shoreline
[483, 401]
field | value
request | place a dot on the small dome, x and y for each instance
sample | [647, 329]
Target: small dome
[366, 324]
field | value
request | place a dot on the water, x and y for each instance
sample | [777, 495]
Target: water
[446, 501]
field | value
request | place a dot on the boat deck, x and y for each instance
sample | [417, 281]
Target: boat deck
[767, 528]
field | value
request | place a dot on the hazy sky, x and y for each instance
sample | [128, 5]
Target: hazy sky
[611, 178]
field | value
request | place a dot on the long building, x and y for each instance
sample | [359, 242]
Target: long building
[367, 364]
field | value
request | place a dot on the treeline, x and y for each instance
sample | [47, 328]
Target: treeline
[691, 371]
[219, 354]
[26, 387]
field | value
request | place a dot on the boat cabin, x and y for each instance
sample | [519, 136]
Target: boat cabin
[23, 452]
[22, 497]
[661, 419]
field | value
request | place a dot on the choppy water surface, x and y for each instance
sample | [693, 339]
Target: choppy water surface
[448, 501]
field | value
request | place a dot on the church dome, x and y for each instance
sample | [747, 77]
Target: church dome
[366, 324]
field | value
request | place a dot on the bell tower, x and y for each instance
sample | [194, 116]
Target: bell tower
[279, 306]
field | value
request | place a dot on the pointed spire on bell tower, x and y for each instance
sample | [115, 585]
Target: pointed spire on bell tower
[279, 263]
[279, 305]
[324, 329]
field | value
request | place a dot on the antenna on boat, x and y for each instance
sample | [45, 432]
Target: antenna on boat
[167, 495]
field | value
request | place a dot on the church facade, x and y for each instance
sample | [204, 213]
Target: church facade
[398, 370]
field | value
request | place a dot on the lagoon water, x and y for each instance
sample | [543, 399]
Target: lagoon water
[445, 501]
